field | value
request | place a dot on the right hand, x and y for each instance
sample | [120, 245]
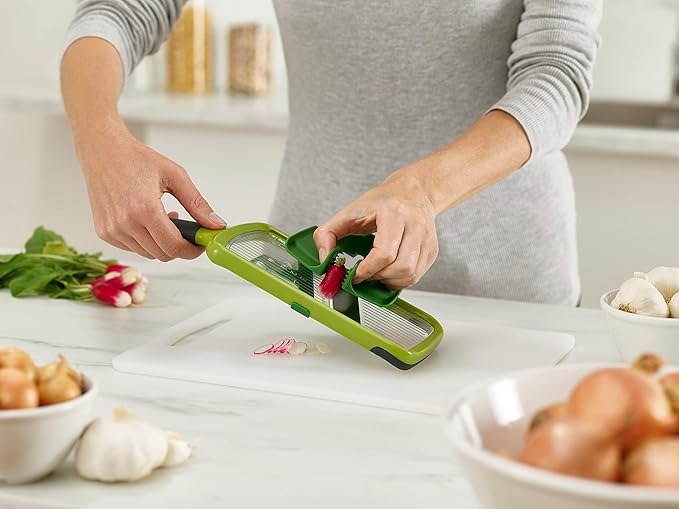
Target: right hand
[125, 182]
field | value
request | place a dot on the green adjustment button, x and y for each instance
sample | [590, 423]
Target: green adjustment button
[300, 309]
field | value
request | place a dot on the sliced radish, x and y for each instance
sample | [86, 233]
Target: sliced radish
[298, 348]
[264, 349]
[322, 348]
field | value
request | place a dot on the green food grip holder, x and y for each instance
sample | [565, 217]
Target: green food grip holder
[301, 246]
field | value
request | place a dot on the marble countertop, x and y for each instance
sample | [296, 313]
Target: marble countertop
[270, 113]
[257, 449]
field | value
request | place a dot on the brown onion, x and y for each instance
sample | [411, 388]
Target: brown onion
[58, 387]
[627, 401]
[670, 383]
[654, 463]
[574, 447]
[551, 412]
[18, 359]
[17, 390]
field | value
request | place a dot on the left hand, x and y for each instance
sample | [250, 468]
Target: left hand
[402, 216]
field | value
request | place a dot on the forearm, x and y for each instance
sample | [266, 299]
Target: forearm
[91, 81]
[487, 152]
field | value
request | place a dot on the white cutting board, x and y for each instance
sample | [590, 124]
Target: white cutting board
[216, 346]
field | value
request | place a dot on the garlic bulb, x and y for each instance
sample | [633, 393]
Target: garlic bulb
[665, 279]
[120, 448]
[178, 451]
[636, 295]
[674, 306]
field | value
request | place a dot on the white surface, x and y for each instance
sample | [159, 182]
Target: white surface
[257, 449]
[33, 442]
[636, 334]
[217, 346]
[495, 414]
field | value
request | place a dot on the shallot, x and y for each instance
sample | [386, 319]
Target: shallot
[17, 390]
[59, 384]
[18, 359]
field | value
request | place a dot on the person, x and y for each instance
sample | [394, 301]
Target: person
[437, 126]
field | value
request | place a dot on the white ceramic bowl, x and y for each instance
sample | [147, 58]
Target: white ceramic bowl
[34, 441]
[636, 334]
[495, 414]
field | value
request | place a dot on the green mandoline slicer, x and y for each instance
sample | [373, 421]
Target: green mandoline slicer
[289, 268]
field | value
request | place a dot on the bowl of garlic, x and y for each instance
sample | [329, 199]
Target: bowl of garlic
[643, 314]
[43, 411]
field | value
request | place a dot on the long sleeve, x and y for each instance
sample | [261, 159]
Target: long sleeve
[550, 70]
[136, 28]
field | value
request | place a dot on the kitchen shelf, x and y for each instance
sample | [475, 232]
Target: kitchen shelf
[271, 113]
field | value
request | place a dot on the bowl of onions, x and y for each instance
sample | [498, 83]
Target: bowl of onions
[643, 314]
[43, 411]
[570, 437]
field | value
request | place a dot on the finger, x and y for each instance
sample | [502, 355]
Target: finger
[182, 188]
[145, 240]
[385, 248]
[405, 268]
[166, 235]
[426, 257]
[133, 245]
[345, 222]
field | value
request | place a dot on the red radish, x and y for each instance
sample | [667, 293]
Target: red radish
[574, 447]
[334, 276]
[111, 295]
[137, 291]
[654, 463]
[627, 401]
[119, 280]
[116, 267]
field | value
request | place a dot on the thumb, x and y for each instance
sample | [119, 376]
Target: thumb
[327, 234]
[185, 191]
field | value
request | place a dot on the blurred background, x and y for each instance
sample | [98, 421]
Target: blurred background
[214, 100]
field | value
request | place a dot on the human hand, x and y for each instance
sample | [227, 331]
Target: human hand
[125, 182]
[402, 216]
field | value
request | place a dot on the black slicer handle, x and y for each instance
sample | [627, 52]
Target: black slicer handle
[188, 229]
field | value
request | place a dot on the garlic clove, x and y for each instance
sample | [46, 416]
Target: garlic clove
[674, 306]
[120, 448]
[666, 280]
[178, 450]
[636, 295]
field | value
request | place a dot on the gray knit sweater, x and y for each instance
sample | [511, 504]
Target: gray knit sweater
[377, 84]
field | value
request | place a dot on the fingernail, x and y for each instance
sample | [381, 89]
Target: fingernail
[322, 253]
[216, 219]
